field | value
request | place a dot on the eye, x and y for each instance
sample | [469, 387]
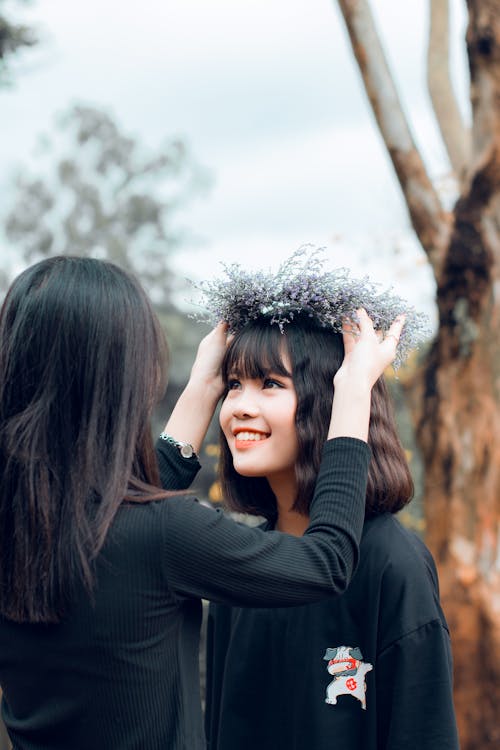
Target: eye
[233, 384]
[272, 383]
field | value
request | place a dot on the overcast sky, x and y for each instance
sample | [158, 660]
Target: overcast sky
[268, 96]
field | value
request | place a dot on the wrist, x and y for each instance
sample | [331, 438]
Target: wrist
[185, 449]
[349, 386]
[350, 415]
[208, 389]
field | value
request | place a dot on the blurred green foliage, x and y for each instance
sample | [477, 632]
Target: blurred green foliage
[14, 37]
[98, 192]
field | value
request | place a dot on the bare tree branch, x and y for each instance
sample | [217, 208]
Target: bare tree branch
[456, 136]
[483, 43]
[430, 221]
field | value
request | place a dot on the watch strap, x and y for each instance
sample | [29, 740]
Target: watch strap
[185, 449]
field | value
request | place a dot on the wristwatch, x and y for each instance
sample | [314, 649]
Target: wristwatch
[185, 449]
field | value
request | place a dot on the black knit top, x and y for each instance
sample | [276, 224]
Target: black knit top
[121, 671]
[397, 695]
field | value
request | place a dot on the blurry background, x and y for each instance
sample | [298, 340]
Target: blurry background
[264, 97]
[170, 136]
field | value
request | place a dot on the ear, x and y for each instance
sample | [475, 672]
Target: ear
[356, 653]
[330, 653]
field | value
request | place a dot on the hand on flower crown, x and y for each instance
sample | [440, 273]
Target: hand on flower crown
[207, 365]
[304, 286]
[368, 352]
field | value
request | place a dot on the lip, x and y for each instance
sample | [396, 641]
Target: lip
[244, 442]
[238, 430]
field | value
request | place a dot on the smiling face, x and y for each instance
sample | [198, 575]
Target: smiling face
[259, 445]
[311, 355]
[288, 377]
[257, 418]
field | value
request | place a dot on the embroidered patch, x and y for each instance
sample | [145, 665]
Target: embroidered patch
[349, 674]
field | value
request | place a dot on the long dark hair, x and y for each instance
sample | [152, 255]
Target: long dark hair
[82, 363]
[315, 354]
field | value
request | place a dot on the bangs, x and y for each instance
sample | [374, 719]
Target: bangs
[255, 352]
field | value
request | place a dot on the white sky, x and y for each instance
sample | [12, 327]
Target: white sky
[267, 94]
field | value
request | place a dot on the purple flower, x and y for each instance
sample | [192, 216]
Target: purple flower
[302, 285]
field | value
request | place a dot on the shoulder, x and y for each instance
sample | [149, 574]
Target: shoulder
[398, 549]
[396, 564]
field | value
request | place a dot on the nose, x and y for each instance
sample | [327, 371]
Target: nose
[245, 404]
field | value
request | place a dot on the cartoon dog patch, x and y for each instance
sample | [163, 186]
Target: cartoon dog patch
[348, 669]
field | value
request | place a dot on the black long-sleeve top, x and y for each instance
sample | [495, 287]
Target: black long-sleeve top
[268, 682]
[120, 672]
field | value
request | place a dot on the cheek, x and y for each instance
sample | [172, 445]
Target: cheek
[224, 416]
[291, 411]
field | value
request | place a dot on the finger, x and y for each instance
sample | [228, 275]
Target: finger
[350, 332]
[391, 338]
[219, 333]
[364, 321]
[395, 329]
[222, 328]
[349, 341]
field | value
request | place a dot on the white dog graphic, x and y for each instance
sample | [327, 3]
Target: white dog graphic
[346, 665]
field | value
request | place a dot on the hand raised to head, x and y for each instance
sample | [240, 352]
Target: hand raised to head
[211, 350]
[368, 352]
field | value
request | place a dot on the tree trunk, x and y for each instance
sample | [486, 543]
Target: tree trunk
[460, 425]
[459, 404]
[460, 440]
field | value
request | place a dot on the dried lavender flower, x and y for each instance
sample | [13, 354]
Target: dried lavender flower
[302, 285]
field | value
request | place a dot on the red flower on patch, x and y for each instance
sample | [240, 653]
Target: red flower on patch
[351, 684]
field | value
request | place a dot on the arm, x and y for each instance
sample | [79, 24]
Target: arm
[366, 357]
[415, 691]
[193, 412]
[206, 554]
[176, 473]
[195, 408]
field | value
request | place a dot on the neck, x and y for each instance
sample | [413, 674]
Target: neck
[291, 522]
[288, 520]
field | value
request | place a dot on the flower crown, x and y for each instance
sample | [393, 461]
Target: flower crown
[302, 286]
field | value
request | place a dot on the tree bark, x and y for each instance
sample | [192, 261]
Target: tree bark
[460, 425]
[456, 136]
[430, 221]
[459, 409]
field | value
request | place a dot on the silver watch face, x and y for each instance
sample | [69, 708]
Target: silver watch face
[186, 450]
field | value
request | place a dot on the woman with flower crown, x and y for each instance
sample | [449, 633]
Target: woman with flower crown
[101, 570]
[371, 669]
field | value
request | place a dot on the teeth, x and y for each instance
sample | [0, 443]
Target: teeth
[250, 436]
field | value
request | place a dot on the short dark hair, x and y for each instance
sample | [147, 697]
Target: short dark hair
[315, 354]
[82, 363]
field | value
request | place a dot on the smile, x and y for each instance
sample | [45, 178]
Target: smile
[245, 436]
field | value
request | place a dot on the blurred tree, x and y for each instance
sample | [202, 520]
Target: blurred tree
[457, 401]
[101, 194]
[13, 38]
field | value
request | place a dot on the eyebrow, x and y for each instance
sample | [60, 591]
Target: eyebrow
[264, 373]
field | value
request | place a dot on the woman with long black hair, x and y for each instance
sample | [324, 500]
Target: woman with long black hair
[101, 566]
